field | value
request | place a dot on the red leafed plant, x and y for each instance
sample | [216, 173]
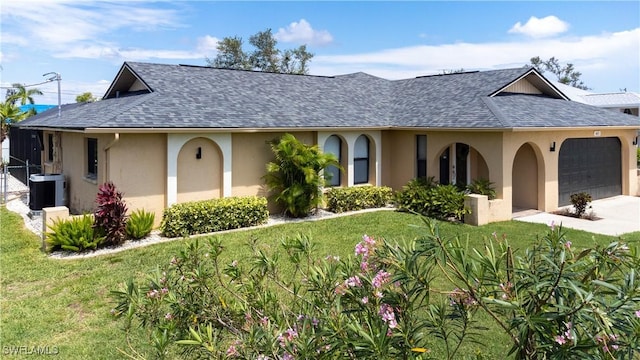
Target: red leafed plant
[111, 214]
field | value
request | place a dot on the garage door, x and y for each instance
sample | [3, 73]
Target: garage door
[591, 165]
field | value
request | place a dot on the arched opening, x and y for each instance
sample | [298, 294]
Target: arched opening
[466, 165]
[199, 171]
[525, 178]
[361, 160]
[333, 145]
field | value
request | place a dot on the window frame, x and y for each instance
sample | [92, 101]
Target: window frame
[360, 160]
[92, 159]
[50, 147]
[336, 179]
[421, 161]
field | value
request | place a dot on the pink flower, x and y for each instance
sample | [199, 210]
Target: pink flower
[638, 314]
[567, 244]
[168, 316]
[387, 315]
[552, 225]
[381, 278]
[353, 281]
[365, 300]
[560, 339]
[232, 352]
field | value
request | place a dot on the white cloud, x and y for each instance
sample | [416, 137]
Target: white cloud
[127, 54]
[302, 33]
[538, 28]
[207, 45]
[54, 25]
[592, 55]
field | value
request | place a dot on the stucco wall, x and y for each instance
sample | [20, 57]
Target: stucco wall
[136, 165]
[548, 174]
[82, 191]
[199, 178]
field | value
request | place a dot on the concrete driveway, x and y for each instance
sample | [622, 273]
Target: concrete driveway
[617, 215]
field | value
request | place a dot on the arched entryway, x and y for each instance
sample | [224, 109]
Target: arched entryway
[525, 176]
[199, 170]
[460, 164]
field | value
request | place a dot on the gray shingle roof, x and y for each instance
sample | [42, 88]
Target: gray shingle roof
[203, 97]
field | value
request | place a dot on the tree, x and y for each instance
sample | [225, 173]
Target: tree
[566, 74]
[230, 55]
[452, 71]
[9, 114]
[85, 97]
[22, 95]
[265, 55]
[294, 178]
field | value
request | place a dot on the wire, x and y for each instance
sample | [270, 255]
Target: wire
[26, 86]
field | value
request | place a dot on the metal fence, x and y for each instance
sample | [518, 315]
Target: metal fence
[11, 186]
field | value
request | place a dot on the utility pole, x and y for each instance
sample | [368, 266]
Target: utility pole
[56, 77]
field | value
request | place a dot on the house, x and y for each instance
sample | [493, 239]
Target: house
[166, 134]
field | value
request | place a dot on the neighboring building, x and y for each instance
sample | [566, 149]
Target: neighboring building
[625, 102]
[166, 134]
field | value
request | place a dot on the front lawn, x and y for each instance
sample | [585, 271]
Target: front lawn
[63, 306]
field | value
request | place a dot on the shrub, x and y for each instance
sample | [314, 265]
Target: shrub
[201, 217]
[294, 177]
[74, 234]
[552, 302]
[638, 155]
[580, 202]
[357, 198]
[425, 197]
[482, 187]
[111, 214]
[140, 224]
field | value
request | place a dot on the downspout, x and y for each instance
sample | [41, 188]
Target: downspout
[116, 138]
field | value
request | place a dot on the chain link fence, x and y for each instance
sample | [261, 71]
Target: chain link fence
[12, 187]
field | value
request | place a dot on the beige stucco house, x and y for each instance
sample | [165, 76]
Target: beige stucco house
[166, 134]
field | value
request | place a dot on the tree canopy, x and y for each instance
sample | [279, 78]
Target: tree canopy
[10, 113]
[85, 97]
[566, 74]
[264, 55]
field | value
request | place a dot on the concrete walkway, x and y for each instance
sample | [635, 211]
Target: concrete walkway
[617, 215]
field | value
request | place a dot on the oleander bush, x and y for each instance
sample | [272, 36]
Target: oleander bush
[358, 198]
[207, 216]
[426, 197]
[551, 300]
[140, 224]
[74, 234]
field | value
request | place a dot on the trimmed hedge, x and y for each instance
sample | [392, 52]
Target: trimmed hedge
[358, 198]
[426, 197]
[202, 217]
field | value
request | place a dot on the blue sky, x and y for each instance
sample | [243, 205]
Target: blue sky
[87, 41]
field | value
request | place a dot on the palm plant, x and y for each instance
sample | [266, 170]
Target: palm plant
[24, 95]
[9, 114]
[294, 178]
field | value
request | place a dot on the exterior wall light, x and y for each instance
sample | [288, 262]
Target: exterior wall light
[199, 153]
[552, 148]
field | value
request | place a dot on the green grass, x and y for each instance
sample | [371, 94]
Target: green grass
[66, 303]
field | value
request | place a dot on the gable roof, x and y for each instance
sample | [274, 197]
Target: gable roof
[160, 96]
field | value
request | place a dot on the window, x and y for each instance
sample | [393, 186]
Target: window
[333, 146]
[92, 158]
[361, 160]
[49, 147]
[421, 156]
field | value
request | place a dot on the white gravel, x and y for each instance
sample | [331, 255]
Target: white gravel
[18, 203]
